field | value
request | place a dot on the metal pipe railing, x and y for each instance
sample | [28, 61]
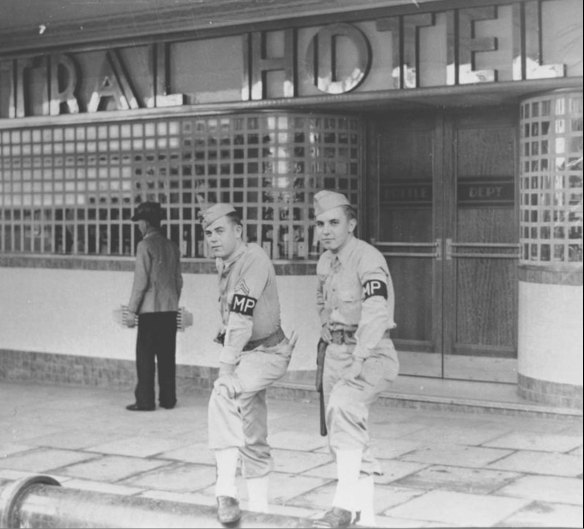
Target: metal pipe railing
[41, 502]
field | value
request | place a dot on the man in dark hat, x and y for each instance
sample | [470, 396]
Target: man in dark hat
[155, 294]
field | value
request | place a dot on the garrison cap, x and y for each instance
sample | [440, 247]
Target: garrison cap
[325, 200]
[149, 211]
[214, 212]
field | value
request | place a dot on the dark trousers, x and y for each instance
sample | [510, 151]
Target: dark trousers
[156, 344]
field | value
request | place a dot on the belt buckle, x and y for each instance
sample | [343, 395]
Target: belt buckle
[338, 337]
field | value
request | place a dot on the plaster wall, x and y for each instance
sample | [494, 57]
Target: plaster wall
[70, 312]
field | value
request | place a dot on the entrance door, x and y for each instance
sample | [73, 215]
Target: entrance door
[448, 228]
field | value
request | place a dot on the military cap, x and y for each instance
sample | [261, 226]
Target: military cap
[149, 211]
[325, 200]
[214, 212]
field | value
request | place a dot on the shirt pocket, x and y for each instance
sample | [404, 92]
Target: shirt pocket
[350, 305]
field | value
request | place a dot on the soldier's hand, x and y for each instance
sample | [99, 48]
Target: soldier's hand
[226, 386]
[354, 370]
[325, 333]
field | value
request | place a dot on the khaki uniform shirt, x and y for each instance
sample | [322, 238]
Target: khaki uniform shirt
[157, 277]
[342, 294]
[248, 299]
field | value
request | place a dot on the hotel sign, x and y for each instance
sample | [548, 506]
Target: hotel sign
[489, 44]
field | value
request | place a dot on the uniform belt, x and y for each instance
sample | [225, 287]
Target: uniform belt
[269, 341]
[341, 336]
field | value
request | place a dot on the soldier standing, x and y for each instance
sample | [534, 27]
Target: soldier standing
[255, 354]
[355, 301]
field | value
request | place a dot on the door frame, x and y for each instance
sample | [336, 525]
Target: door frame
[440, 362]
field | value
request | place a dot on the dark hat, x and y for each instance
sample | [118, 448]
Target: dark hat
[149, 211]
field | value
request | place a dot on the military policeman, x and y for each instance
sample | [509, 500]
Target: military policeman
[355, 301]
[255, 354]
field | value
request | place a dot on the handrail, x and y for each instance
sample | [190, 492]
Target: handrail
[40, 502]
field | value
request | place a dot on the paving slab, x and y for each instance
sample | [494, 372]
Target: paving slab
[297, 461]
[546, 489]
[111, 468]
[544, 515]
[464, 456]
[176, 477]
[99, 486]
[8, 449]
[394, 470]
[456, 508]
[22, 430]
[138, 446]
[43, 459]
[74, 439]
[399, 523]
[454, 434]
[393, 448]
[471, 480]
[300, 440]
[192, 453]
[533, 441]
[540, 463]
[384, 429]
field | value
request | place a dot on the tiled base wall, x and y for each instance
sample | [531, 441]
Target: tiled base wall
[554, 393]
[50, 368]
[23, 366]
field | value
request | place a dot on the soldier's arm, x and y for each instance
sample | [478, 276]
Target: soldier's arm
[375, 317]
[253, 278]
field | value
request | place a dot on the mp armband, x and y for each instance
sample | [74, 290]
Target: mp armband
[374, 287]
[243, 304]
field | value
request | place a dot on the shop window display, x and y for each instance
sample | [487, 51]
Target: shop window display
[71, 189]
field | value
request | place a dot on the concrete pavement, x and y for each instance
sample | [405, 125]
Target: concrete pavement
[442, 468]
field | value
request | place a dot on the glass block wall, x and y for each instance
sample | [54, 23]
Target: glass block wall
[551, 179]
[71, 189]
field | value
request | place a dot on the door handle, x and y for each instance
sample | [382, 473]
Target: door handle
[397, 249]
[451, 247]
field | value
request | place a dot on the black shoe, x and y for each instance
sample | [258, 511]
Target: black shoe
[167, 406]
[228, 511]
[336, 517]
[135, 407]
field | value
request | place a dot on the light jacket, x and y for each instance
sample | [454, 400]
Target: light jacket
[157, 277]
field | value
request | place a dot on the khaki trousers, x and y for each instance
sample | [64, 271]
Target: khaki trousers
[348, 401]
[242, 421]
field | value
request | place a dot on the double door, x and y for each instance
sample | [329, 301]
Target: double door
[446, 220]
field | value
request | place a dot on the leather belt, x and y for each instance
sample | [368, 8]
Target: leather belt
[342, 336]
[269, 341]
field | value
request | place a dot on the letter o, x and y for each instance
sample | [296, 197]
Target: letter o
[323, 43]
